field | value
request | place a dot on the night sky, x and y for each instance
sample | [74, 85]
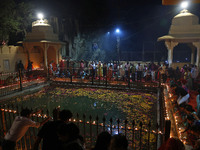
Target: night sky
[141, 21]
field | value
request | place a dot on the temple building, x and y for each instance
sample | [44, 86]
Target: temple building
[41, 46]
[185, 28]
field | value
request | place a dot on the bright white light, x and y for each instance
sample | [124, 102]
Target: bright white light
[40, 16]
[115, 133]
[184, 4]
[117, 31]
[108, 32]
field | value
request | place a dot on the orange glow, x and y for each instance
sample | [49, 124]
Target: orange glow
[35, 67]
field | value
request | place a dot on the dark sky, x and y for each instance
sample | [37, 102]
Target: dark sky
[138, 16]
[141, 21]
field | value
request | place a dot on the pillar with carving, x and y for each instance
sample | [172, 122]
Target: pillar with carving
[170, 46]
[197, 45]
[46, 46]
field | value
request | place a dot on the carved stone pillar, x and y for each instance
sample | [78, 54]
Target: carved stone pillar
[46, 46]
[192, 56]
[58, 56]
[197, 45]
[170, 46]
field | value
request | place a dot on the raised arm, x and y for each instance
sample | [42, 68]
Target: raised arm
[44, 121]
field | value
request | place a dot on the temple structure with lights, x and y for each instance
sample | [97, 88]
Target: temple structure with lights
[185, 28]
[41, 46]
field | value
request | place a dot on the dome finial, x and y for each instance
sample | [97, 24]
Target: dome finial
[184, 11]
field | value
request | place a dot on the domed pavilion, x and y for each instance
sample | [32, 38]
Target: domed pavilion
[185, 28]
[42, 44]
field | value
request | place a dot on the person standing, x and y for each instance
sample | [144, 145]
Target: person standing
[198, 103]
[99, 72]
[153, 69]
[49, 132]
[104, 69]
[197, 145]
[70, 137]
[139, 70]
[118, 142]
[62, 67]
[93, 69]
[18, 129]
[81, 68]
[51, 68]
[127, 67]
[133, 72]
[163, 72]
[20, 66]
[30, 66]
[103, 141]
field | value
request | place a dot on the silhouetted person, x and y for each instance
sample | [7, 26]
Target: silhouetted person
[172, 144]
[30, 66]
[20, 66]
[18, 129]
[197, 145]
[193, 125]
[103, 141]
[118, 142]
[198, 103]
[49, 132]
[69, 134]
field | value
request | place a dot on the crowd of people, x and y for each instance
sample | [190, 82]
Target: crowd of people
[62, 134]
[25, 71]
[111, 70]
[123, 71]
[58, 134]
[184, 86]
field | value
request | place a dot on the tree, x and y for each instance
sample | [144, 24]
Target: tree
[25, 11]
[15, 18]
[8, 22]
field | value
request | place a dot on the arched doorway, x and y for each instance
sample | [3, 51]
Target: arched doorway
[37, 57]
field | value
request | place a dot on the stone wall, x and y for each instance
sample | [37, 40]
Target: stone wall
[10, 56]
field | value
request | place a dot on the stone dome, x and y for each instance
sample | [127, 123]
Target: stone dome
[184, 23]
[185, 18]
[41, 31]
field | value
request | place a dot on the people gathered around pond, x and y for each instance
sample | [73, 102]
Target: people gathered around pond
[185, 102]
[63, 134]
[183, 80]
[124, 71]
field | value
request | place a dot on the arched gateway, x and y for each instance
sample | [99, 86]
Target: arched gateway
[185, 28]
[42, 45]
